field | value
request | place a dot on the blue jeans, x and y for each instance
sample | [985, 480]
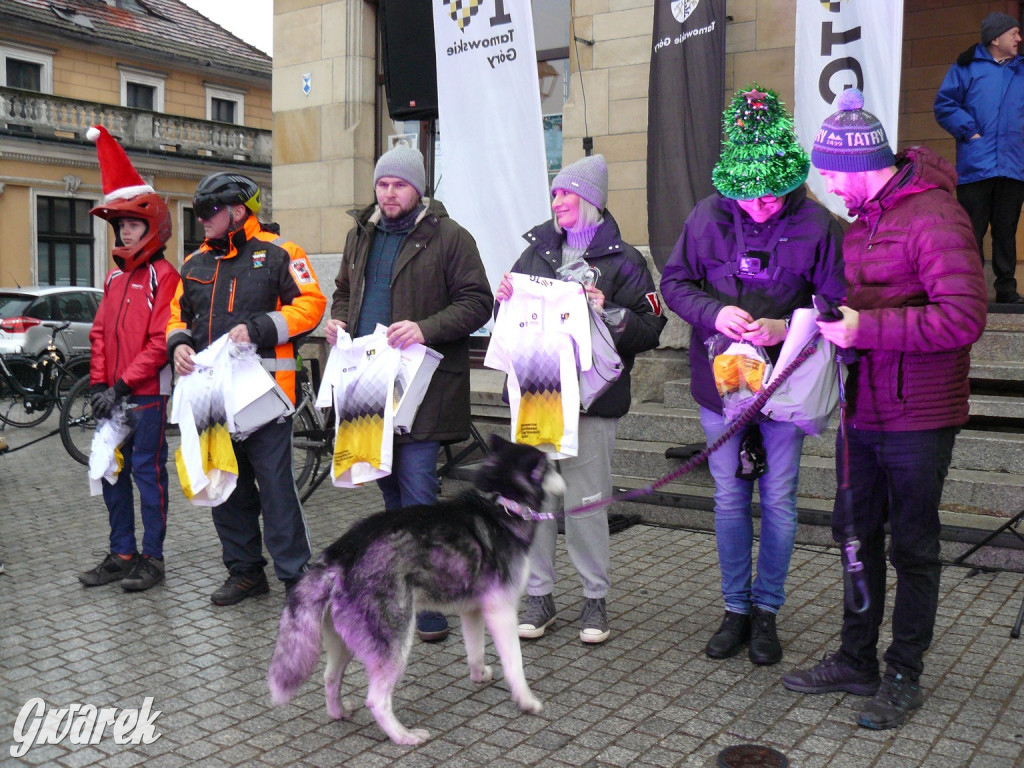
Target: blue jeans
[413, 479]
[145, 461]
[734, 526]
[895, 477]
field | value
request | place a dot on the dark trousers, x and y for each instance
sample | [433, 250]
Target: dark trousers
[413, 479]
[996, 202]
[265, 484]
[896, 477]
[145, 461]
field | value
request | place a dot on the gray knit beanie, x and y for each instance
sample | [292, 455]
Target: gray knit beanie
[587, 178]
[404, 163]
[996, 24]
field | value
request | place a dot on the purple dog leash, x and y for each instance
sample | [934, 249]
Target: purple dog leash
[699, 458]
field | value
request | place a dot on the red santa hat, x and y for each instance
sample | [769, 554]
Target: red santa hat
[120, 179]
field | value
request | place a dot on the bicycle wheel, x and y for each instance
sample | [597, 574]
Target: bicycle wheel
[18, 410]
[73, 370]
[306, 444]
[77, 425]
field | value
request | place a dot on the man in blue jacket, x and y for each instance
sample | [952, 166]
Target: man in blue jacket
[981, 103]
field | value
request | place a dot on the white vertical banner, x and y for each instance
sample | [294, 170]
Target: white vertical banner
[494, 167]
[841, 45]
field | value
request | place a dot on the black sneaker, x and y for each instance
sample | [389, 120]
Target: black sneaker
[240, 586]
[732, 635]
[831, 674]
[896, 698]
[765, 647]
[148, 572]
[431, 626]
[113, 568]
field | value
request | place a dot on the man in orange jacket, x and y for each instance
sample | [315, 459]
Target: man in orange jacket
[247, 282]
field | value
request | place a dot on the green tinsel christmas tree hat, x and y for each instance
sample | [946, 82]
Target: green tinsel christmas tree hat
[761, 155]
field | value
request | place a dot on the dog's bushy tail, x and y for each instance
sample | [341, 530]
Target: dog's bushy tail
[298, 636]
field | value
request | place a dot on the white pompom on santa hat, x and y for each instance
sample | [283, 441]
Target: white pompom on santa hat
[120, 179]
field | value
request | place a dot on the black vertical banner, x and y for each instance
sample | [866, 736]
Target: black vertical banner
[685, 101]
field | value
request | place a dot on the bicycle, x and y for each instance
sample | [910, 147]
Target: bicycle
[77, 423]
[32, 384]
[312, 434]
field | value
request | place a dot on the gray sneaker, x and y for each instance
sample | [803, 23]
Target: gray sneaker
[832, 674]
[595, 621]
[148, 572]
[896, 698]
[113, 568]
[539, 615]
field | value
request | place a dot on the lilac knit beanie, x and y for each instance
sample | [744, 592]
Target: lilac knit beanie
[851, 140]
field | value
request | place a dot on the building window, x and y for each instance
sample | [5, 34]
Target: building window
[142, 90]
[64, 241]
[140, 96]
[222, 110]
[26, 69]
[24, 74]
[551, 22]
[224, 106]
[193, 235]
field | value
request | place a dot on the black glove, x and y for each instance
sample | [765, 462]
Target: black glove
[103, 403]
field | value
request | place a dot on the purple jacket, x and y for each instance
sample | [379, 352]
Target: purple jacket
[695, 288]
[915, 278]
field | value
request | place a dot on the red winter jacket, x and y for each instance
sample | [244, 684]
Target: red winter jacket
[128, 335]
[914, 276]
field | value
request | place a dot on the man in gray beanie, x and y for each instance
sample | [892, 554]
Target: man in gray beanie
[981, 103]
[410, 267]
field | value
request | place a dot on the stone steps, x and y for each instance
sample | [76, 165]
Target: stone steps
[976, 449]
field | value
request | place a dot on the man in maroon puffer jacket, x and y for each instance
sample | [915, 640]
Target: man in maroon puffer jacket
[916, 304]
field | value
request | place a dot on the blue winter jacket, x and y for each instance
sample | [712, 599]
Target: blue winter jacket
[980, 96]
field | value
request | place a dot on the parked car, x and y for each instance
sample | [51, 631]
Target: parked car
[23, 310]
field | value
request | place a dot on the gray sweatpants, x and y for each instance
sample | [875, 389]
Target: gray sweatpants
[588, 477]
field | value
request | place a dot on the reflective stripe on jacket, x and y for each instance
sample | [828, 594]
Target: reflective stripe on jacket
[264, 282]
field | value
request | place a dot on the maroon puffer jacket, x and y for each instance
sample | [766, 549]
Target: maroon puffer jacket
[915, 277]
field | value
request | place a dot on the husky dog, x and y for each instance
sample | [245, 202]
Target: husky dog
[464, 555]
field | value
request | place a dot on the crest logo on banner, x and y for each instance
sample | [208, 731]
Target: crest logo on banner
[681, 9]
[462, 11]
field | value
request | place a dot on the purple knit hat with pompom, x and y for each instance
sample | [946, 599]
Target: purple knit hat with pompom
[851, 140]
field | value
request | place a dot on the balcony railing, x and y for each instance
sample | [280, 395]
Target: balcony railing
[25, 113]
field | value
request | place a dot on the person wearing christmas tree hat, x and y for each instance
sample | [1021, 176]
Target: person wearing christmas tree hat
[747, 257]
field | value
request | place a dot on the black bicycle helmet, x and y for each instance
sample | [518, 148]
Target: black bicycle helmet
[226, 189]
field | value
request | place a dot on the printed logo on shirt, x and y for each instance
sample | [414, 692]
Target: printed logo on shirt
[564, 317]
[654, 301]
[300, 269]
[259, 259]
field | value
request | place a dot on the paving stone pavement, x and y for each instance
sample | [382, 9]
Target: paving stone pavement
[647, 697]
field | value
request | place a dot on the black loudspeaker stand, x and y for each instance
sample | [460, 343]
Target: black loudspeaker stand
[1009, 526]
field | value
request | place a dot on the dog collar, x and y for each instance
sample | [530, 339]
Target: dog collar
[521, 510]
